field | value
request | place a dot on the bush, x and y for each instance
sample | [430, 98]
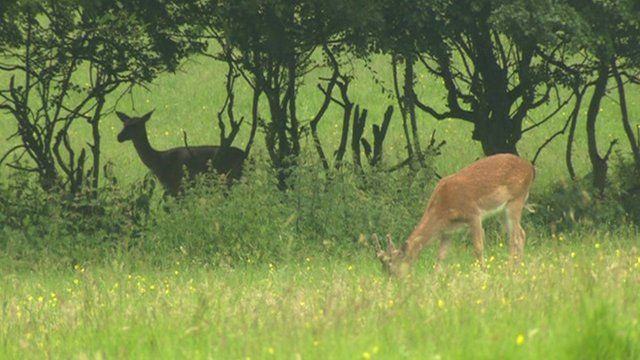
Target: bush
[340, 207]
[627, 176]
[253, 221]
[35, 224]
[568, 204]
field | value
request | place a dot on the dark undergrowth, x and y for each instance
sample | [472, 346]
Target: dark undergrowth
[253, 221]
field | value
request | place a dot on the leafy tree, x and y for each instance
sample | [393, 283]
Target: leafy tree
[8, 30]
[406, 30]
[64, 58]
[491, 68]
[613, 44]
[271, 43]
[604, 44]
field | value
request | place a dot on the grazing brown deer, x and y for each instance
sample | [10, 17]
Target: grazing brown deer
[496, 183]
[169, 165]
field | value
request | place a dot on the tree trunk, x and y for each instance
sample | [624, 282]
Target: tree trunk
[496, 134]
[95, 147]
[294, 125]
[401, 105]
[598, 163]
[347, 107]
[410, 106]
[254, 119]
[572, 131]
[277, 141]
[624, 113]
[494, 127]
[359, 122]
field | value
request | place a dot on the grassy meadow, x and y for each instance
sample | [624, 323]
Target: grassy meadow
[575, 297]
[259, 274]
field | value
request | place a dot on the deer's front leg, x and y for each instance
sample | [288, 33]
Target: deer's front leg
[445, 241]
[477, 233]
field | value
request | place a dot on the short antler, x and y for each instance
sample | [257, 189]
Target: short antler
[386, 256]
[390, 245]
[376, 242]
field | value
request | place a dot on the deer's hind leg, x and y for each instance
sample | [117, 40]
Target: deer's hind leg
[517, 235]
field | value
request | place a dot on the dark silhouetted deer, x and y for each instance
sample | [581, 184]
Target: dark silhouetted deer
[169, 166]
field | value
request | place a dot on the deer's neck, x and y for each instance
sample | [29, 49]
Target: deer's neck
[149, 156]
[420, 236]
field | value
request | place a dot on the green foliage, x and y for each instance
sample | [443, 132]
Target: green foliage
[626, 176]
[63, 59]
[248, 222]
[40, 226]
[612, 28]
[252, 221]
[545, 23]
[9, 33]
[344, 207]
[571, 205]
[409, 28]
[274, 31]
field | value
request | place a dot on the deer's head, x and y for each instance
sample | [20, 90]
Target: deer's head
[392, 259]
[132, 125]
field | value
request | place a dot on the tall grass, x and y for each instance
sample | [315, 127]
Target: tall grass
[573, 298]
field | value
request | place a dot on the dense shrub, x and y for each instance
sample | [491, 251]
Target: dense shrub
[332, 212]
[252, 221]
[69, 228]
[627, 176]
[568, 204]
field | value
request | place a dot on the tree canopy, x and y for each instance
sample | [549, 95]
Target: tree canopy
[496, 60]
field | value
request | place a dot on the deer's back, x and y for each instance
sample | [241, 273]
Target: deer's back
[198, 159]
[485, 184]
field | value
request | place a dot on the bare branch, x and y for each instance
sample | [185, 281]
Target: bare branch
[22, 168]
[325, 92]
[551, 115]
[323, 108]
[10, 151]
[550, 139]
[455, 111]
[610, 149]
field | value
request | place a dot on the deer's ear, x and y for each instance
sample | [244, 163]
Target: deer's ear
[124, 118]
[147, 116]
